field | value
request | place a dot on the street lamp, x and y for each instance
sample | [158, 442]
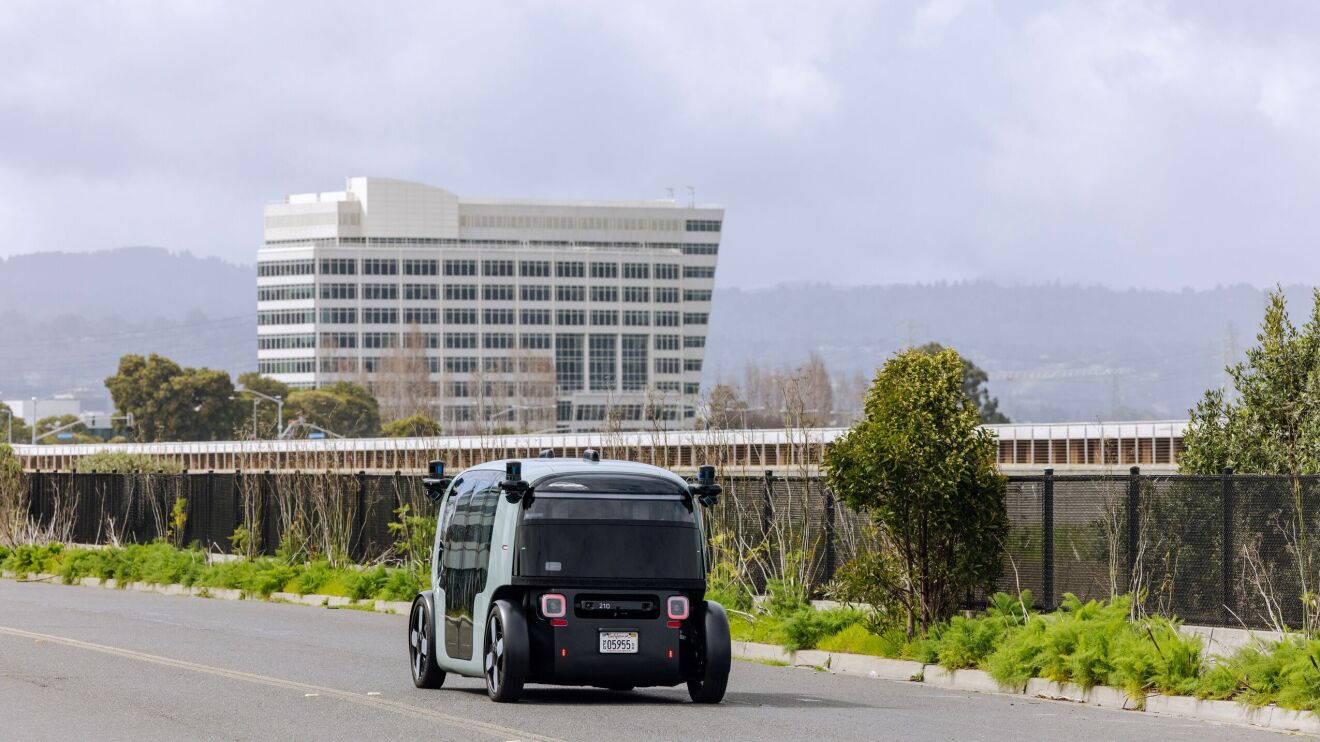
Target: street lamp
[34, 421]
[279, 411]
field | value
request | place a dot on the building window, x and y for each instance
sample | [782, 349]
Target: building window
[536, 316]
[698, 271]
[285, 342]
[604, 270]
[455, 316]
[460, 364]
[498, 316]
[380, 291]
[460, 292]
[293, 292]
[691, 388]
[568, 362]
[633, 318]
[335, 340]
[570, 293]
[420, 267]
[286, 365]
[380, 267]
[604, 317]
[602, 360]
[695, 318]
[694, 341]
[666, 271]
[379, 340]
[498, 340]
[534, 268]
[667, 319]
[421, 292]
[338, 315]
[535, 293]
[339, 291]
[691, 364]
[636, 294]
[460, 339]
[636, 270]
[570, 269]
[696, 295]
[458, 389]
[570, 317]
[666, 296]
[605, 293]
[286, 268]
[535, 341]
[421, 340]
[497, 267]
[701, 249]
[339, 365]
[666, 342]
[667, 365]
[634, 371]
[460, 267]
[338, 267]
[380, 316]
[421, 316]
[703, 225]
[497, 292]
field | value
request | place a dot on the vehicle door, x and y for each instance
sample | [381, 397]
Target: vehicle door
[463, 558]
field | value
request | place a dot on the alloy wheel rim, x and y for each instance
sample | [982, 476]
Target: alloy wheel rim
[417, 642]
[494, 654]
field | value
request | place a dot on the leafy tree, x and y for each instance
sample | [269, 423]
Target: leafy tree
[170, 403]
[1272, 425]
[343, 407]
[414, 426]
[78, 433]
[920, 464]
[974, 379]
[22, 433]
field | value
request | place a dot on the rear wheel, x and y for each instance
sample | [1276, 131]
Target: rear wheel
[421, 646]
[504, 680]
[714, 655]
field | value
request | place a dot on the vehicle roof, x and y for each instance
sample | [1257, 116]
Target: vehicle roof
[538, 468]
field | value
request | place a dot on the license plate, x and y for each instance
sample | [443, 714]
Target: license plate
[618, 642]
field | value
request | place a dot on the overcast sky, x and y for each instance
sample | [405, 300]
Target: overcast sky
[1128, 143]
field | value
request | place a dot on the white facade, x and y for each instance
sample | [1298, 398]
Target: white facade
[567, 315]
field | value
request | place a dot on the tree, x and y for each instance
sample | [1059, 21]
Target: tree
[416, 426]
[402, 382]
[725, 409]
[21, 432]
[920, 464]
[170, 403]
[77, 433]
[1272, 425]
[344, 408]
[974, 379]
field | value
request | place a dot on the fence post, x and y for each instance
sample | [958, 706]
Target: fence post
[767, 509]
[829, 535]
[1226, 558]
[1133, 522]
[1047, 541]
[360, 546]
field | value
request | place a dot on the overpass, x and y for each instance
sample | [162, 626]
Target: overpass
[1023, 448]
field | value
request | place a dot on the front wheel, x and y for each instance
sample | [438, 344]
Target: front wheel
[714, 655]
[506, 652]
[421, 646]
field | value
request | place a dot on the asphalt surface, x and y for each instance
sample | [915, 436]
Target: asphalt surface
[91, 663]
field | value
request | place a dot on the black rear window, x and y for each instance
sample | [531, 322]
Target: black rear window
[610, 484]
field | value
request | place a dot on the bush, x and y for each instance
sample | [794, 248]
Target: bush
[805, 627]
[856, 639]
[105, 462]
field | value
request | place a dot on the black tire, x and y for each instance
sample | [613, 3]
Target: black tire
[505, 652]
[421, 645]
[714, 655]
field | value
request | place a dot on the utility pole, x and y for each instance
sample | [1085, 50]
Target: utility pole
[34, 421]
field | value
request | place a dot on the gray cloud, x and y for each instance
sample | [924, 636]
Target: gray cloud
[1130, 143]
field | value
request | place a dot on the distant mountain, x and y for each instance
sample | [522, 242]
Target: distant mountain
[66, 318]
[1054, 352]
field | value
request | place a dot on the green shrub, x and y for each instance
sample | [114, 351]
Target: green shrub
[856, 639]
[105, 462]
[365, 584]
[806, 626]
[402, 585]
[30, 559]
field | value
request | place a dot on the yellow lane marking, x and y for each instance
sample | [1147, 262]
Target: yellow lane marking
[494, 730]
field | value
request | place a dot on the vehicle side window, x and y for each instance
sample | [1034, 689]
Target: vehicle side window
[468, 522]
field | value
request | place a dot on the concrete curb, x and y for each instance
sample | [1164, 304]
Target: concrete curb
[220, 593]
[977, 681]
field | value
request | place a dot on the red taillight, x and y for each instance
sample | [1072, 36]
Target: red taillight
[675, 624]
[678, 607]
[559, 622]
[554, 605]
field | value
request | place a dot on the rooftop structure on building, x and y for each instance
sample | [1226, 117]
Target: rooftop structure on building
[491, 314]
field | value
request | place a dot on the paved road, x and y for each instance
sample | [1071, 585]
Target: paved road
[89, 663]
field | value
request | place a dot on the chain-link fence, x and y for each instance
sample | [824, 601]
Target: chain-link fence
[1231, 550]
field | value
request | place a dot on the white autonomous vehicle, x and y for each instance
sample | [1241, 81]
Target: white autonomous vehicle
[570, 572]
